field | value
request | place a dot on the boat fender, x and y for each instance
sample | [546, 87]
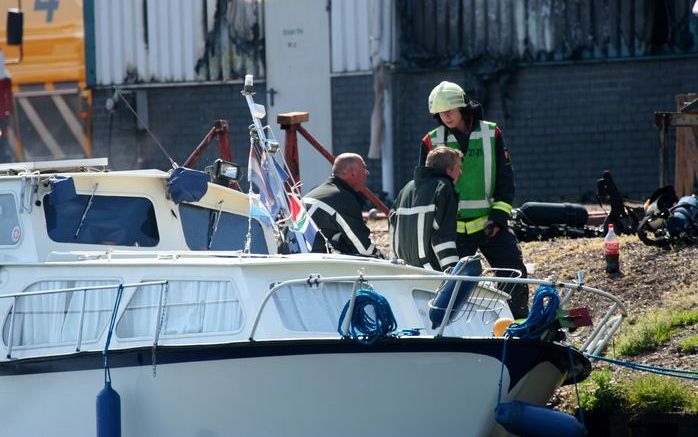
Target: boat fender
[62, 189]
[524, 420]
[108, 412]
[187, 185]
[467, 266]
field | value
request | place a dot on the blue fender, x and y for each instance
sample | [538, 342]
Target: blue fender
[108, 412]
[528, 420]
[469, 266]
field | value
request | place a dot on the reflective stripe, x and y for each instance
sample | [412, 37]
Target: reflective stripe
[428, 266]
[472, 226]
[420, 236]
[476, 225]
[502, 206]
[447, 245]
[416, 210]
[448, 260]
[474, 204]
[487, 137]
[368, 251]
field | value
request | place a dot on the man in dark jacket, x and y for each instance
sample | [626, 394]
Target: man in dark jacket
[486, 188]
[335, 208]
[423, 218]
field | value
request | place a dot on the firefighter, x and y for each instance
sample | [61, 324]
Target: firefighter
[335, 208]
[486, 186]
[426, 208]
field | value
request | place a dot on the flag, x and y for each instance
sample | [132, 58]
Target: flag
[259, 212]
[301, 221]
[258, 177]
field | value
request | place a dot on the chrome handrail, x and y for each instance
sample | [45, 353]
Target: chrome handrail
[14, 296]
[573, 287]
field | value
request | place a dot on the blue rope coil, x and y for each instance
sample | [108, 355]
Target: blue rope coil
[543, 313]
[364, 327]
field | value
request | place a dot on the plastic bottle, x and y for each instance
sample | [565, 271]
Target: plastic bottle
[611, 250]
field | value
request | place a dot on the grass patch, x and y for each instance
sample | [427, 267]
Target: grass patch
[657, 394]
[644, 394]
[652, 331]
[601, 393]
[689, 345]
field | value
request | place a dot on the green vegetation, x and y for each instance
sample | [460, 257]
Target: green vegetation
[657, 394]
[601, 393]
[644, 394]
[689, 345]
[652, 331]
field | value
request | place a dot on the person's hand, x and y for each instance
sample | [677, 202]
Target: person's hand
[491, 228]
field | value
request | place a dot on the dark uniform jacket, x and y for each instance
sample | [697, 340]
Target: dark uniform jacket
[336, 210]
[423, 221]
[504, 179]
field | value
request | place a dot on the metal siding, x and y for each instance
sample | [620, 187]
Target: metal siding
[336, 49]
[169, 53]
[350, 33]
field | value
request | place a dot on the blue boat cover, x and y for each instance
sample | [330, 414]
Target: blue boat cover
[62, 189]
[187, 185]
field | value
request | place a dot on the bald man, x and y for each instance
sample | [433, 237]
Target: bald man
[335, 207]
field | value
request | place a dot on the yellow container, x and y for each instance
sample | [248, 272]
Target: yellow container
[54, 43]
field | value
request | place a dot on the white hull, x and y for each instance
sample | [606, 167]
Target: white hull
[337, 394]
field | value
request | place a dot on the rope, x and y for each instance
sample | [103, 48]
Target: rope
[576, 388]
[543, 313]
[117, 301]
[677, 373]
[501, 373]
[363, 327]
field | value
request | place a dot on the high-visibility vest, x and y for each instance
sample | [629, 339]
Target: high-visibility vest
[475, 186]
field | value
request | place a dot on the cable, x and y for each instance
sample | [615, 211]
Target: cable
[135, 114]
[363, 327]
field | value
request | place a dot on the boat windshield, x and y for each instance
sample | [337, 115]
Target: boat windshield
[213, 229]
[110, 220]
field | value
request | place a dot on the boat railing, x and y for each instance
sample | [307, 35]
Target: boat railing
[84, 290]
[599, 337]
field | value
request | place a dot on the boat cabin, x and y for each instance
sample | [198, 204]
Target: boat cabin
[76, 205]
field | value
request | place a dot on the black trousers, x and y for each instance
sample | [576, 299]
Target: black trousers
[501, 251]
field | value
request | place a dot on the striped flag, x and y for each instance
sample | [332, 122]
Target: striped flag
[301, 221]
[260, 178]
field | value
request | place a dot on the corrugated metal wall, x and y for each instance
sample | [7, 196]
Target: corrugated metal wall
[455, 33]
[141, 41]
[362, 34]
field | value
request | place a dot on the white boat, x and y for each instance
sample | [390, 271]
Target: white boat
[214, 337]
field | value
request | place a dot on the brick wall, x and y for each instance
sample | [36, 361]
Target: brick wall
[566, 123]
[179, 117]
[352, 104]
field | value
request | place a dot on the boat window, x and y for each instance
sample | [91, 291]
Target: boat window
[476, 322]
[316, 308]
[10, 232]
[108, 220]
[211, 229]
[188, 307]
[56, 319]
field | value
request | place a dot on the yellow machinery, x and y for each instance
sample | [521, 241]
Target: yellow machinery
[51, 118]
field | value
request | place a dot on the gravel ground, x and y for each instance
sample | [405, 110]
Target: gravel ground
[650, 279]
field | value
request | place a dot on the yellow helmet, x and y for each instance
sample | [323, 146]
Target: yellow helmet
[446, 96]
